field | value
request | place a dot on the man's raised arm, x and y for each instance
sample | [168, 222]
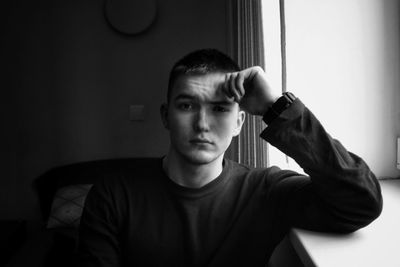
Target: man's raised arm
[341, 193]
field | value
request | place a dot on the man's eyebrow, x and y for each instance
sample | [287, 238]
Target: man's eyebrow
[184, 96]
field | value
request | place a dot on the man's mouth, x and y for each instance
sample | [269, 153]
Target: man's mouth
[200, 141]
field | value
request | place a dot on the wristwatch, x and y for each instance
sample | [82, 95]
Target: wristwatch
[278, 107]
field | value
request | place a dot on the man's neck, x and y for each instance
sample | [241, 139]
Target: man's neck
[189, 174]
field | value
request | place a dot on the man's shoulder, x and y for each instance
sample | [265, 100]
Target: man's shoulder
[260, 176]
[251, 170]
[248, 172]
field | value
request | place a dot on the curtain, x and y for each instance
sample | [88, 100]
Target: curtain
[247, 48]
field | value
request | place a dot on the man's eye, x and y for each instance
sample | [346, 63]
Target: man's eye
[185, 106]
[220, 109]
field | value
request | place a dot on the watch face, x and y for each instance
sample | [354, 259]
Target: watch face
[291, 97]
[282, 103]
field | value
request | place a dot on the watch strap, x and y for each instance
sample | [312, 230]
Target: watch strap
[278, 107]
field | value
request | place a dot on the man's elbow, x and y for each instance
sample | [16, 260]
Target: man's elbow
[368, 212]
[374, 208]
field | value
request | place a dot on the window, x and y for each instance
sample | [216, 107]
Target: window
[342, 60]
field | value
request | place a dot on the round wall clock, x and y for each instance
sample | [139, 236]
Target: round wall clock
[130, 16]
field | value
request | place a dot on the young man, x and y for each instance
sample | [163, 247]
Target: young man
[195, 208]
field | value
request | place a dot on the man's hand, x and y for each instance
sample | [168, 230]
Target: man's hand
[251, 90]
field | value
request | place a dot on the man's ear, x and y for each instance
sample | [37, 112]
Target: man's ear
[164, 115]
[239, 122]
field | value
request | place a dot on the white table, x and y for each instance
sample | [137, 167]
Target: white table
[378, 244]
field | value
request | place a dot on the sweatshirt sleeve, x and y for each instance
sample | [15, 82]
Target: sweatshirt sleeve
[340, 193]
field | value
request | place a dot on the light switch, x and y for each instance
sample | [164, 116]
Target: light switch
[136, 112]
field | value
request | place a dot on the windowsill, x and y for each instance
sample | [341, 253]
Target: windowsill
[375, 245]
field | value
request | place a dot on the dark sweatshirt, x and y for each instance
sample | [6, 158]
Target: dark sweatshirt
[139, 217]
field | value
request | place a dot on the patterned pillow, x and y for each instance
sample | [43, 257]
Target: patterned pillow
[67, 206]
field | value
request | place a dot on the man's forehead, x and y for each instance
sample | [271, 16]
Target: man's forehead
[201, 85]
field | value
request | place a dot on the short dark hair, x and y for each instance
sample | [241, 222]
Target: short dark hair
[201, 61]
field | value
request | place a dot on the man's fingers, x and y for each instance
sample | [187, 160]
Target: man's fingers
[239, 84]
[235, 92]
[232, 88]
[234, 82]
[226, 86]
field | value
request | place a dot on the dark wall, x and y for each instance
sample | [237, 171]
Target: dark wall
[71, 79]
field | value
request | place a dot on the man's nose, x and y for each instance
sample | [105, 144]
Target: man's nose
[201, 122]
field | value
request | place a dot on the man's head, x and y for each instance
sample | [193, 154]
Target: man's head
[201, 118]
[202, 61]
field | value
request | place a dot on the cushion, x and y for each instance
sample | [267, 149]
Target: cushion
[67, 206]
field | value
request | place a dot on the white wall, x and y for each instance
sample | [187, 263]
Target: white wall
[343, 62]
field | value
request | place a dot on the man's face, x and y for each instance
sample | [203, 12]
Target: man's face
[201, 119]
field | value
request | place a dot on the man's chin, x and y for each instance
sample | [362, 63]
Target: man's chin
[201, 158]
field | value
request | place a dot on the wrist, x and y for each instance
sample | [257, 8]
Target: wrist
[267, 104]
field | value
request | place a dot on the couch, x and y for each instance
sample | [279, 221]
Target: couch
[61, 193]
